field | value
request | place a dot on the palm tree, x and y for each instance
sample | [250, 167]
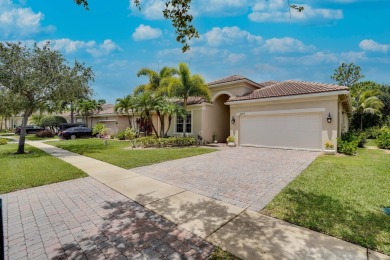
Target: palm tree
[367, 102]
[155, 80]
[88, 108]
[172, 109]
[126, 105]
[145, 104]
[188, 85]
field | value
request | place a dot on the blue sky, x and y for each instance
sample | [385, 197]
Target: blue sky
[258, 39]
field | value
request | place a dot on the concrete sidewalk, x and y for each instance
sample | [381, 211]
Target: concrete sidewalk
[245, 233]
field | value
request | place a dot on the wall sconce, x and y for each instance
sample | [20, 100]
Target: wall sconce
[329, 118]
[233, 120]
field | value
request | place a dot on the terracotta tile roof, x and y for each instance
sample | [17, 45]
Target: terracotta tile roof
[289, 88]
[268, 83]
[231, 79]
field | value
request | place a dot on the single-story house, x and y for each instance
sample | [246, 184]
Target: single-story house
[289, 114]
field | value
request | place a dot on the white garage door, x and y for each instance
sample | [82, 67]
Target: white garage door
[302, 131]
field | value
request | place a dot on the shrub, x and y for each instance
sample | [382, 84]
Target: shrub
[230, 139]
[52, 121]
[329, 144]
[348, 143]
[100, 129]
[372, 132]
[165, 142]
[121, 135]
[362, 140]
[383, 139]
[130, 133]
[3, 141]
[45, 134]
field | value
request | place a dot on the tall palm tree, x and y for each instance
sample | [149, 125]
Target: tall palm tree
[188, 85]
[126, 105]
[145, 104]
[367, 102]
[155, 80]
[172, 109]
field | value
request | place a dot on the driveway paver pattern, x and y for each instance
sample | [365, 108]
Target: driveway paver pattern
[247, 177]
[84, 219]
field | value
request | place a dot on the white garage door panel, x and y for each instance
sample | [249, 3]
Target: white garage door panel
[285, 131]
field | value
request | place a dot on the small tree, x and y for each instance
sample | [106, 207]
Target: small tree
[53, 122]
[34, 77]
[126, 105]
[367, 102]
[347, 74]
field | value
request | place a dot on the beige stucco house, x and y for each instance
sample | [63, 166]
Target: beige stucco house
[289, 114]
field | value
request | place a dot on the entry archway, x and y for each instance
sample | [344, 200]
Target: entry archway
[222, 117]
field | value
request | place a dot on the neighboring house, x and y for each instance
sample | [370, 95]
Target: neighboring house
[289, 114]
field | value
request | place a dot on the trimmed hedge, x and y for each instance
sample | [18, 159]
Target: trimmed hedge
[149, 142]
[383, 139]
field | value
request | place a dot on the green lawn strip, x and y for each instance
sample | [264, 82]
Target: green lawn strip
[371, 142]
[33, 169]
[219, 254]
[116, 152]
[33, 137]
[343, 197]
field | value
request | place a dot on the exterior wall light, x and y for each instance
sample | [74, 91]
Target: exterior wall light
[233, 120]
[329, 119]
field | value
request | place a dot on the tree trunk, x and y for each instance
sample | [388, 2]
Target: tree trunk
[169, 125]
[71, 113]
[361, 122]
[1, 123]
[151, 122]
[22, 137]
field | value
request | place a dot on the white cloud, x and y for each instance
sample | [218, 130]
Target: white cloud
[229, 35]
[277, 11]
[234, 58]
[150, 9]
[371, 45]
[16, 22]
[70, 46]
[284, 45]
[145, 32]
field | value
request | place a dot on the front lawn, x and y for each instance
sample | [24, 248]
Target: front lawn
[115, 152]
[371, 142]
[342, 197]
[33, 169]
[33, 137]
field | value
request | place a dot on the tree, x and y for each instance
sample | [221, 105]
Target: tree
[157, 80]
[8, 107]
[126, 105]
[146, 103]
[77, 87]
[188, 85]
[347, 74]
[53, 122]
[178, 12]
[88, 108]
[33, 76]
[367, 102]
[172, 109]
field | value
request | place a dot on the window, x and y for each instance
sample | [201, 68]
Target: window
[181, 123]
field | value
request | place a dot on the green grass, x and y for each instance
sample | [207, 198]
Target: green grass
[371, 142]
[115, 153]
[7, 134]
[33, 169]
[33, 137]
[343, 197]
[219, 254]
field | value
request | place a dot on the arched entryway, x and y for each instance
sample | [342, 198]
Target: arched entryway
[222, 117]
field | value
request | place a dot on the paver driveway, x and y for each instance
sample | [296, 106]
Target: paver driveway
[84, 219]
[244, 176]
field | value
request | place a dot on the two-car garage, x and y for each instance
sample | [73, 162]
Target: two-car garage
[296, 129]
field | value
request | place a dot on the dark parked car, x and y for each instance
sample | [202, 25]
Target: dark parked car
[76, 132]
[30, 129]
[65, 126]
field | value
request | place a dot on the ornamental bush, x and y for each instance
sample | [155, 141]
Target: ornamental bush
[149, 142]
[3, 141]
[130, 133]
[383, 139]
[45, 134]
[121, 136]
[373, 132]
[348, 143]
[52, 121]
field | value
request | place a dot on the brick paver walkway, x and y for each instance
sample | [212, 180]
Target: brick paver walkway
[247, 177]
[84, 219]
